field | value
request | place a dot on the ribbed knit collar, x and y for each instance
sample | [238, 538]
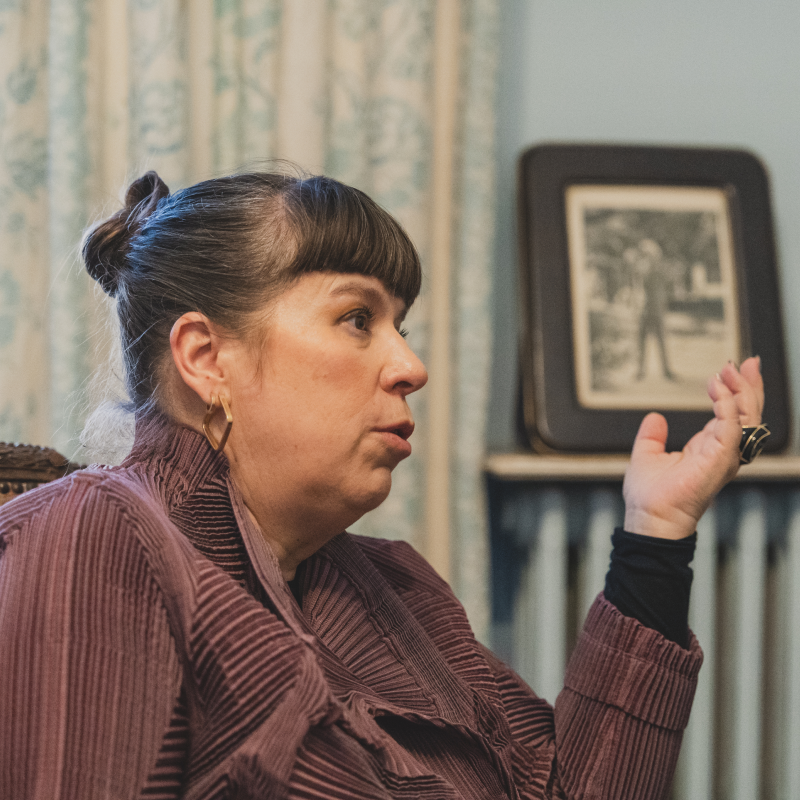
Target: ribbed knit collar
[194, 485]
[179, 458]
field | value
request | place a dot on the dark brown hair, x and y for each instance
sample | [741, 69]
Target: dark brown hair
[225, 247]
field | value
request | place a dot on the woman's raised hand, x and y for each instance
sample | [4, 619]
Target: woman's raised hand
[667, 493]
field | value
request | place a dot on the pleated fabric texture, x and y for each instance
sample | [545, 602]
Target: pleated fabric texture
[151, 648]
[95, 92]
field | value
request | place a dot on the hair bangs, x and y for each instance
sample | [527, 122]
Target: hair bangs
[345, 231]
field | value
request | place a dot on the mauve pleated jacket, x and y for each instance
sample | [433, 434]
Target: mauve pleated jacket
[149, 647]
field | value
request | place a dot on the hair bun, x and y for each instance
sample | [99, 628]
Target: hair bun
[106, 245]
[144, 194]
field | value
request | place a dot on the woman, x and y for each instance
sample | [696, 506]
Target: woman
[195, 624]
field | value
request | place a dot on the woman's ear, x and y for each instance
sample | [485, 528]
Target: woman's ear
[196, 347]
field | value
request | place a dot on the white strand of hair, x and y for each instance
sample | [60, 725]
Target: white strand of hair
[107, 435]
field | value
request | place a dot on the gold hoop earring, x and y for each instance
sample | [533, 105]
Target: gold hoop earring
[210, 411]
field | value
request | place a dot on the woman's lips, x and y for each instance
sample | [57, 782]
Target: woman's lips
[395, 443]
[395, 437]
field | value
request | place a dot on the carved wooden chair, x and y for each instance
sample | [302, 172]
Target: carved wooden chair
[25, 466]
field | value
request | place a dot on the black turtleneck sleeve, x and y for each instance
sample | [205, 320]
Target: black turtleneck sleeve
[650, 579]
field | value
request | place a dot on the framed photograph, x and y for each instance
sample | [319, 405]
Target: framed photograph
[645, 269]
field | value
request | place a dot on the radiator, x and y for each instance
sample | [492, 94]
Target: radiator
[550, 552]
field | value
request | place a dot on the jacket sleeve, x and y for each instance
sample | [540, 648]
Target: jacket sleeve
[88, 668]
[626, 700]
[618, 722]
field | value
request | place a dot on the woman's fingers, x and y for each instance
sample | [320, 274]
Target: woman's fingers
[747, 388]
[652, 435]
[722, 395]
[751, 371]
[726, 425]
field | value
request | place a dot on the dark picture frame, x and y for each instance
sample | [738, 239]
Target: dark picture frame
[643, 269]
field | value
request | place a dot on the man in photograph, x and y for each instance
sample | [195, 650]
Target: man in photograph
[649, 268]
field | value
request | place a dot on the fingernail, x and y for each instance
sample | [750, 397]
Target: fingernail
[758, 358]
[719, 377]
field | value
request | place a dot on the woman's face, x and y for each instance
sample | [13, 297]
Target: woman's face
[320, 412]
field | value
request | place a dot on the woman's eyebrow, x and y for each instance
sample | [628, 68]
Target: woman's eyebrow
[354, 287]
[368, 293]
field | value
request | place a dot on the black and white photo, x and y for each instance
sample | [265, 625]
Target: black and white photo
[654, 293]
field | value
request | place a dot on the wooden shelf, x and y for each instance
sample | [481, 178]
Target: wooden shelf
[523, 466]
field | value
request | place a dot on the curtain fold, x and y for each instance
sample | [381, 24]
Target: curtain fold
[67, 190]
[473, 262]
[95, 92]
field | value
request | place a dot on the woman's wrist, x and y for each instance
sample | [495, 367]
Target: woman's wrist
[674, 524]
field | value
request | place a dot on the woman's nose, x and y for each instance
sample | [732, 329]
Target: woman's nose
[404, 371]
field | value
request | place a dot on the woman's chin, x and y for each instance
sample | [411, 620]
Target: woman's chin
[370, 496]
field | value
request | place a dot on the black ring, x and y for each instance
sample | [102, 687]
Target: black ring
[752, 443]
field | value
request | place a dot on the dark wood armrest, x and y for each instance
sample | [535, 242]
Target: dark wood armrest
[25, 466]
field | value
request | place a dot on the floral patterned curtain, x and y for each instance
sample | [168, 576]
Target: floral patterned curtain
[94, 92]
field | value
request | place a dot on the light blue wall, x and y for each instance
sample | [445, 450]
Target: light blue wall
[691, 72]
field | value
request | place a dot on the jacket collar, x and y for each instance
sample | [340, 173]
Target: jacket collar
[180, 457]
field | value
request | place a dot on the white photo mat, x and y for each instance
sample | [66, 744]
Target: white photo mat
[655, 305]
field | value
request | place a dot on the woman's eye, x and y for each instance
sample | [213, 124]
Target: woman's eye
[360, 320]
